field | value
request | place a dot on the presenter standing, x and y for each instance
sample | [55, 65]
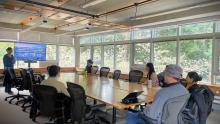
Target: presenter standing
[8, 61]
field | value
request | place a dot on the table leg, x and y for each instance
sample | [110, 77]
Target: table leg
[114, 115]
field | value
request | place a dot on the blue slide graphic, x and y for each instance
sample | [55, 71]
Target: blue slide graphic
[30, 52]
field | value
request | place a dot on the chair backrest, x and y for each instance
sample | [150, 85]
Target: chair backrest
[95, 69]
[46, 96]
[116, 75]
[78, 101]
[172, 108]
[135, 76]
[12, 74]
[26, 81]
[104, 71]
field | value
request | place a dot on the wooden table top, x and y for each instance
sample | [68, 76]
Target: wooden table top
[107, 90]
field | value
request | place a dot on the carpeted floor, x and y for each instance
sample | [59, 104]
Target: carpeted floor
[13, 114]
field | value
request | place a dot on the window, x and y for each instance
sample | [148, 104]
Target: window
[22, 64]
[97, 39]
[51, 52]
[142, 34]
[122, 36]
[218, 26]
[165, 31]
[109, 56]
[217, 80]
[66, 56]
[85, 40]
[3, 47]
[164, 54]
[108, 38]
[122, 55]
[196, 28]
[85, 54]
[196, 55]
[142, 53]
[97, 56]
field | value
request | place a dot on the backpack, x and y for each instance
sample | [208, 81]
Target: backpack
[198, 107]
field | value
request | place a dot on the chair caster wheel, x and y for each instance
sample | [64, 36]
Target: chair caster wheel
[5, 99]
[23, 110]
[16, 103]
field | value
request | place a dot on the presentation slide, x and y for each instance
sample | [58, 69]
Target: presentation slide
[30, 51]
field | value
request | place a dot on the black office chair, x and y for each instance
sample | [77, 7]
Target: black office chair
[95, 69]
[116, 75]
[104, 71]
[78, 102]
[18, 83]
[45, 99]
[37, 78]
[135, 76]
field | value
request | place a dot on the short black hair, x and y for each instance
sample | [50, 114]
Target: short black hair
[9, 48]
[53, 70]
[194, 76]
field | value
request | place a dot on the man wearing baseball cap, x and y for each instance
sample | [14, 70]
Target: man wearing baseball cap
[173, 88]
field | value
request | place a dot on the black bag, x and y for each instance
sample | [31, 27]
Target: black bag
[199, 105]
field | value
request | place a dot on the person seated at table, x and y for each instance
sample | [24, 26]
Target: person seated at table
[151, 74]
[192, 79]
[54, 72]
[173, 89]
[89, 66]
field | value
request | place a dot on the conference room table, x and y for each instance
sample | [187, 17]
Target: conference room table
[109, 91]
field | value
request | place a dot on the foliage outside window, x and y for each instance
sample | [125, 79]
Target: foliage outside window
[97, 39]
[196, 28]
[66, 56]
[218, 26]
[142, 34]
[3, 47]
[142, 53]
[51, 52]
[85, 54]
[85, 40]
[165, 31]
[196, 55]
[122, 36]
[164, 54]
[122, 54]
[109, 38]
[109, 56]
[97, 56]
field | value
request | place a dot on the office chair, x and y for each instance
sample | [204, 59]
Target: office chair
[104, 71]
[37, 78]
[95, 69]
[45, 99]
[116, 74]
[135, 76]
[78, 102]
[18, 83]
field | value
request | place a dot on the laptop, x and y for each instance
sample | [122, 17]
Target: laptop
[132, 98]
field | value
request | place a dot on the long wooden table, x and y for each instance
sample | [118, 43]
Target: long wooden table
[109, 91]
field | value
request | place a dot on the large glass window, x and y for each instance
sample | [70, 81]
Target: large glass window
[141, 53]
[108, 38]
[142, 34]
[122, 54]
[66, 56]
[165, 31]
[122, 36]
[51, 52]
[164, 54]
[196, 28]
[22, 64]
[109, 56]
[85, 40]
[3, 47]
[85, 54]
[97, 56]
[196, 55]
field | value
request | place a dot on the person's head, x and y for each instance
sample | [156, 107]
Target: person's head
[89, 62]
[53, 70]
[150, 68]
[193, 77]
[172, 74]
[9, 50]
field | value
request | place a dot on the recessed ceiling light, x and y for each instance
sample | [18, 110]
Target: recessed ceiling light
[92, 3]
